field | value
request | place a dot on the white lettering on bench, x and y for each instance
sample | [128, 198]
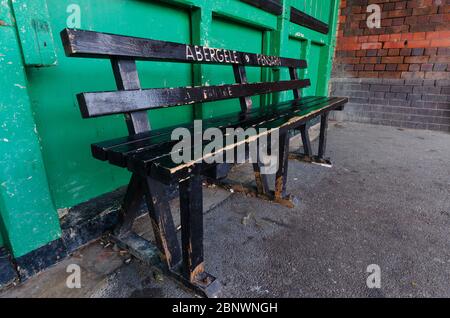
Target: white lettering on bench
[265, 60]
[199, 54]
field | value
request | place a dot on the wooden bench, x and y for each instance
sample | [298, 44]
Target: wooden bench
[147, 152]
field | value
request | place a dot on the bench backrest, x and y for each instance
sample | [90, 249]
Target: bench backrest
[131, 100]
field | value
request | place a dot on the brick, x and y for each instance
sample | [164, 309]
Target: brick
[377, 94]
[426, 90]
[380, 88]
[401, 89]
[444, 42]
[437, 75]
[392, 59]
[413, 75]
[414, 82]
[394, 52]
[427, 67]
[439, 67]
[391, 67]
[434, 98]
[369, 60]
[443, 83]
[414, 67]
[371, 46]
[416, 59]
[405, 52]
[380, 67]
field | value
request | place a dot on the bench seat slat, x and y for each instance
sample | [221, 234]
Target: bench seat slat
[159, 164]
[109, 103]
[82, 43]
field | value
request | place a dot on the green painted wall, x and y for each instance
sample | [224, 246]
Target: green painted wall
[47, 161]
[28, 217]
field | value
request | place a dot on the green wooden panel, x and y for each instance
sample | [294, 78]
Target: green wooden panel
[319, 9]
[229, 34]
[74, 176]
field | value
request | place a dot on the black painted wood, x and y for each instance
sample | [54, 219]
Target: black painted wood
[303, 19]
[131, 205]
[126, 75]
[164, 169]
[306, 140]
[294, 76]
[240, 76]
[323, 135]
[272, 6]
[191, 209]
[81, 43]
[109, 103]
[8, 273]
[162, 222]
[162, 144]
[283, 163]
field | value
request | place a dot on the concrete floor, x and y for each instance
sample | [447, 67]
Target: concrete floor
[386, 201]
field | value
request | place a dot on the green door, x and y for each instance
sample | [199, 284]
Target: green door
[49, 165]
[65, 137]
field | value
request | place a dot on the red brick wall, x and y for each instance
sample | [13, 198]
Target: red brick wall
[413, 41]
[411, 49]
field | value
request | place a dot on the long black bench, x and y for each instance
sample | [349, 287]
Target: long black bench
[147, 152]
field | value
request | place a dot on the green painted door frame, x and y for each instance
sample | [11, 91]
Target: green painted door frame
[46, 161]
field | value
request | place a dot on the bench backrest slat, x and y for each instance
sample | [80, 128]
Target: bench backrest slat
[103, 45]
[108, 103]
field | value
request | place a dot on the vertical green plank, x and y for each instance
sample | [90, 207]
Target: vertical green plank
[28, 217]
[333, 18]
[233, 36]
[35, 32]
[281, 47]
[201, 21]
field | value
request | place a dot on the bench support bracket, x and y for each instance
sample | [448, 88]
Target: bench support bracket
[308, 156]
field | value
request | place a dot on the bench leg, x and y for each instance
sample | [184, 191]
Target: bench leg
[191, 209]
[262, 185]
[306, 140]
[323, 135]
[280, 195]
[307, 155]
[162, 222]
[134, 197]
